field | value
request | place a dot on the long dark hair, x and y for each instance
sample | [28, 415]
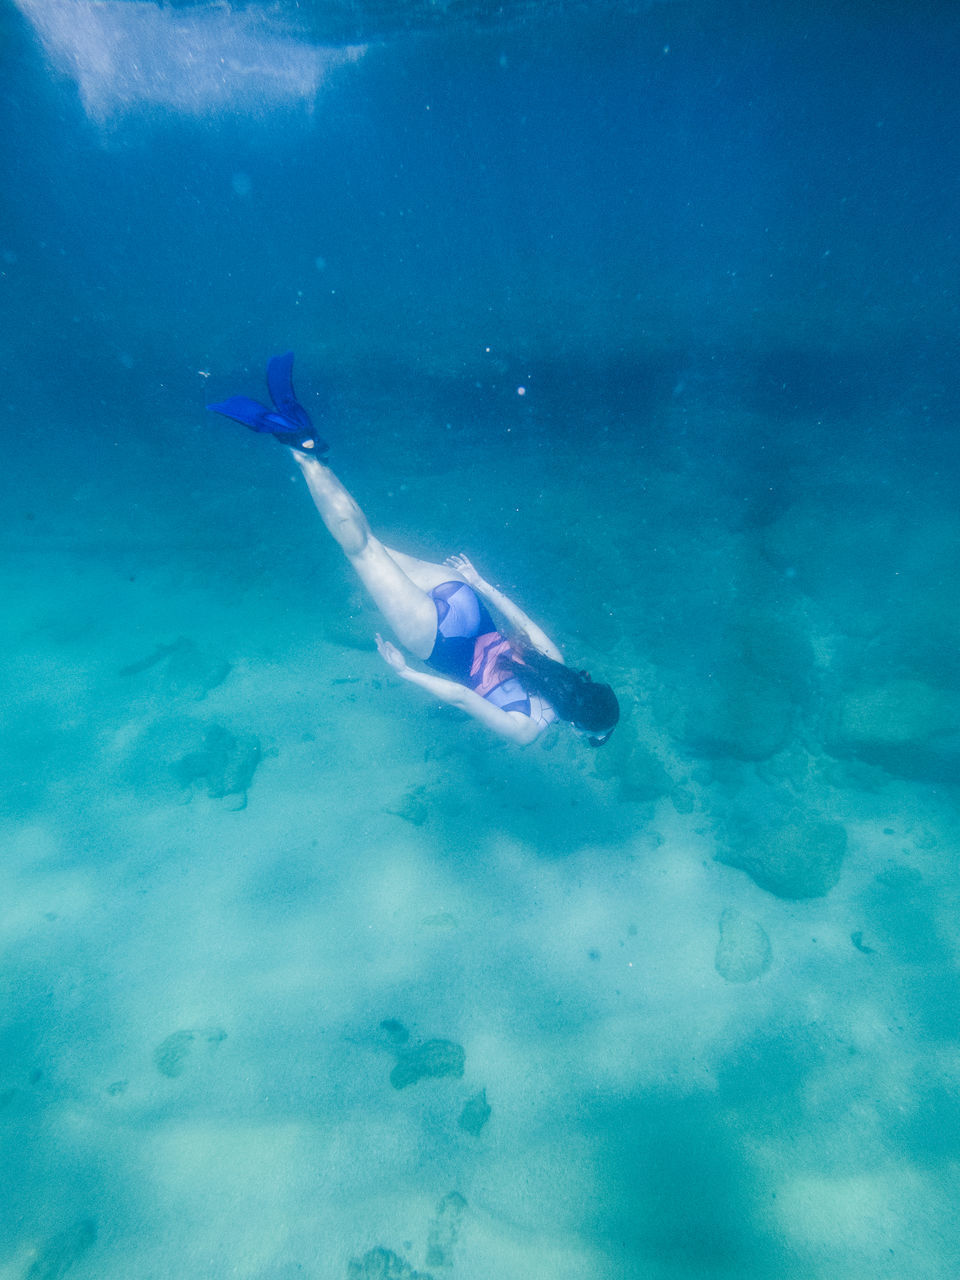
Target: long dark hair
[572, 694]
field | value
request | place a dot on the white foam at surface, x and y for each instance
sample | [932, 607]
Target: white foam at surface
[196, 61]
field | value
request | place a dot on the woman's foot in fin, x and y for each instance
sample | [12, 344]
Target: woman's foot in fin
[287, 422]
[303, 443]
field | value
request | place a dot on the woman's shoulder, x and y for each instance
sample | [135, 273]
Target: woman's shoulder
[541, 712]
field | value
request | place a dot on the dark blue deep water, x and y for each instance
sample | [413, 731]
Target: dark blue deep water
[652, 310]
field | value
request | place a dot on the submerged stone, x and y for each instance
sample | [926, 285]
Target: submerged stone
[751, 679]
[475, 1114]
[413, 808]
[442, 920]
[171, 1055]
[431, 1060]
[902, 913]
[383, 1264]
[188, 672]
[749, 718]
[191, 673]
[799, 857]
[225, 764]
[444, 1230]
[639, 773]
[743, 951]
[906, 727]
[395, 1032]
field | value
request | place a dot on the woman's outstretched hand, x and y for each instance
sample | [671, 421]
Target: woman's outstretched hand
[465, 569]
[391, 654]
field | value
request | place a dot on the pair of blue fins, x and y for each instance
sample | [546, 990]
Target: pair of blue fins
[288, 420]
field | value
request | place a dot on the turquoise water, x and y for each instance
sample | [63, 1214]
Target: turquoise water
[652, 311]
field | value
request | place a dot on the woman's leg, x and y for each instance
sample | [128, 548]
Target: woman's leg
[404, 603]
[424, 573]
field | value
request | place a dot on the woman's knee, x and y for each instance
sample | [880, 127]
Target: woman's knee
[352, 533]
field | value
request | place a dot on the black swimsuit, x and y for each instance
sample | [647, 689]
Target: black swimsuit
[469, 648]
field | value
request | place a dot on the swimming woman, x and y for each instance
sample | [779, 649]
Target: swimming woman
[514, 682]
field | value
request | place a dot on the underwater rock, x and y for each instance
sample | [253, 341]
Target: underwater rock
[413, 808]
[395, 1032]
[743, 951]
[188, 672]
[906, 727]
[225, 765]
[383, 1264]
[797, 857]
[191, 673]
[683, 800]
[750, 679]
[151, 660]
[59, 1254]
[475, 1114]
[641, 776]
[838, 551]
[749, 717]
[441, 920]
[902, 912]
[171, 1055]
[444, 1229]
[433, 1059]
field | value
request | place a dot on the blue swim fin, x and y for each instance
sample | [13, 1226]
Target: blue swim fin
[288, 421]
[280, 384]
[251, 413]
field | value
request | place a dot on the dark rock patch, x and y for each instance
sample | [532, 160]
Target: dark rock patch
[475, 1114]
[383, 1264]
[187, 672]
[743, 951]
[798, 856]
[638, 771]
[395, 1032]
[170, 1057]
[431, 1060]
[908, 728]
[224, 765]
[444, 1229]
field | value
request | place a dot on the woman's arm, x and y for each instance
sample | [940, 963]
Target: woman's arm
[514, 725]
[512, 612]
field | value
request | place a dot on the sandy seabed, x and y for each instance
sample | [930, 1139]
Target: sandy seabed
[695, 997]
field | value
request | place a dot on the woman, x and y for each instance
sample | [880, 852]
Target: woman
[516, 686]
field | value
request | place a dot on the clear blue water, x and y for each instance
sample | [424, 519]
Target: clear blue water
[651, 310]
